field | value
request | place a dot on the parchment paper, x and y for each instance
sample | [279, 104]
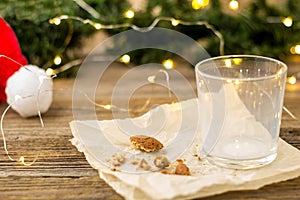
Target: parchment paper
[206, 179]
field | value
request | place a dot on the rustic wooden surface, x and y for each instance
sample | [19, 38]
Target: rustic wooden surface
[61, 172]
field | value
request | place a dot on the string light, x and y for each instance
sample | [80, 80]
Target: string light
[57, 60]
[175, 22]
[125, 59]
[297, 49]
[151, 79]
[55, 21]
[107, 107]
[87, 8]
[168, 64]
[97, 26]
[21, 159]
[292, 80]
[287, 21]
[50, 72]
[151, 26]
[233, 5]
[198, 4]
[129, 14]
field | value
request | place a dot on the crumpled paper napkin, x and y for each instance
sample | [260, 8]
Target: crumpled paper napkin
[98, 140]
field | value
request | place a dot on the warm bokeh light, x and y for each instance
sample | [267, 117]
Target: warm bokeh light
[97, 26]
[129, 14]
[57, 60]
[297, 49]
[292, 80]
[233, 5]
[125, 59]
[288, 21]
[55, 21]
[198, 4]
[175, 22]
[50, 72]
[107, 107]
[151, 79]
[168, 64]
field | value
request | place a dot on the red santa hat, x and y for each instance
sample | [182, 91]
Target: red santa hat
[27, 88]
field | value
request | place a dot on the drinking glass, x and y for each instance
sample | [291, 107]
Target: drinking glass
[240, 99]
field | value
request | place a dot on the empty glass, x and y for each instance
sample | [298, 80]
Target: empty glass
[240, 104]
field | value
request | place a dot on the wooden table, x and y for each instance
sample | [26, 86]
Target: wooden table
[61, 172]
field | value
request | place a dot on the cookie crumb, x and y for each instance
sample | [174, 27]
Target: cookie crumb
[164, 171]
[117, 159]
[145, 143]
[135, 161]
[161, 161]
[197, 156]
[143, 165]
[181, 168]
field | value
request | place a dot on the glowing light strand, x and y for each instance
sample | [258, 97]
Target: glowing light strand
[151, 79]
[289, 113]
[67, 39]
[87, 8]
[21, 159]
[149, 28]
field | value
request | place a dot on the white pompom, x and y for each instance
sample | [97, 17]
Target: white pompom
[29, 90]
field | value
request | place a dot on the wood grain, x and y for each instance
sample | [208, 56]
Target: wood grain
[61, 172]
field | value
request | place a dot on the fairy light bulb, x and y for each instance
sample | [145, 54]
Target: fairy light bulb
[292, 50]
[129, 14]
[287, 21]
[233, 5]
[292, 80]
[107, 107]
[125, 59]
[168, 64]
[50, 72]
[57, 60]
[297, 49]
[198, 4]
[175, 22]
[97, 26]
[151, 79]
[55, 21]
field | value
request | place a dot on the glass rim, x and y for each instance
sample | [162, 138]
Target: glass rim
[279, 73]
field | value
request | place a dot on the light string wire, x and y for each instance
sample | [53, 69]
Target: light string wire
[289, 112]
[66, 42]
[152, 80]
[17, 98]
[56, 20]
[21, 159]
[88, 8]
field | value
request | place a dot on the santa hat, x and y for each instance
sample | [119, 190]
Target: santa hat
[27, 88]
